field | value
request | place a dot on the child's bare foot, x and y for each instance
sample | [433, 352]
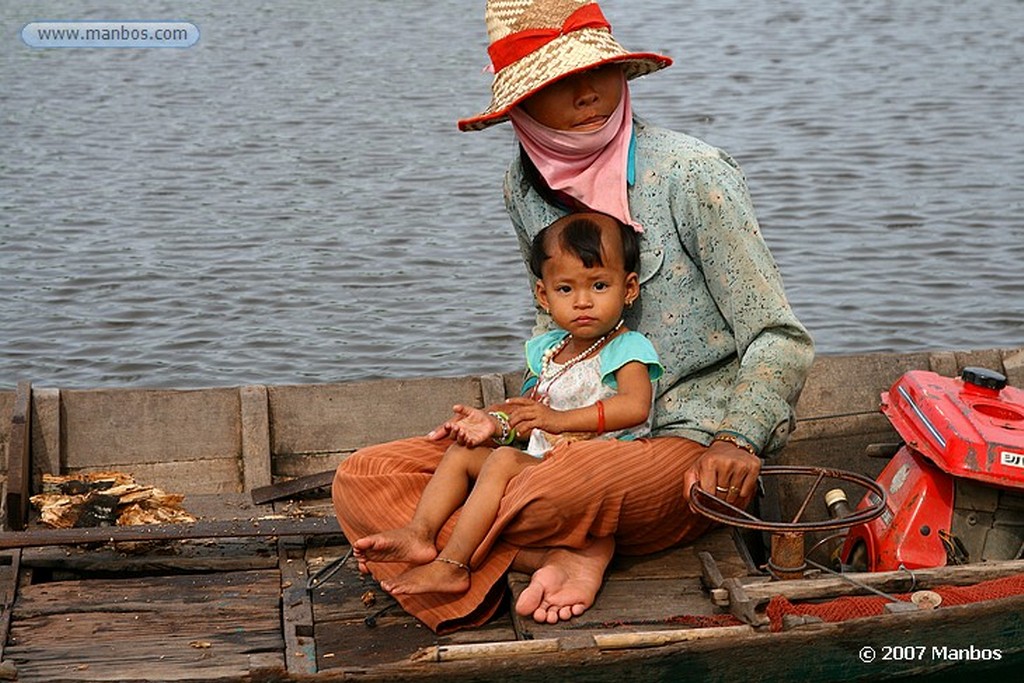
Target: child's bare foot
[438, 576]
[404, 544]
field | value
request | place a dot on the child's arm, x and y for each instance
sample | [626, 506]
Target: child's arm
[629, 407]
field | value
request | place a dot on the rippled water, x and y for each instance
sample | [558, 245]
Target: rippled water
[289, 201]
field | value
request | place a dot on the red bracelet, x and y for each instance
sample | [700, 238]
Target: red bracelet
[600, 418]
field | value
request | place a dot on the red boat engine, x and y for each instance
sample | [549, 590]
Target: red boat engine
[956, 486]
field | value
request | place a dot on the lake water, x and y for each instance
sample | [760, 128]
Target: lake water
[289, 201]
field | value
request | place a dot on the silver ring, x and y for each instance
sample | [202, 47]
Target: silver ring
[721, 490]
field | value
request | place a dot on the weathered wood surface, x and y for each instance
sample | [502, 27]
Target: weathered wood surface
[292, 487]
[19, 464]
[10, 575]
[344, 417]
[903, 581]
[165, 557]
[296, 608]
[35, 538]
[344, 640]
[255, 423]
[224, 626]
[110, 428]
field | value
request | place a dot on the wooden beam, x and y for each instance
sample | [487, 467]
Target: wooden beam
[296, 608]
[292, 487]
[899, 581]
[19, 459]
[492, 389]
[236, 528]
[45, 434]
[255, 437]
[10, 569]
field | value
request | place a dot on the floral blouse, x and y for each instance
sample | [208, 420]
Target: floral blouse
[712, 301]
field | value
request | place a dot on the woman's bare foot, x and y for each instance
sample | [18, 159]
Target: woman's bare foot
[404, 544]
[564, 582]
[433, 577]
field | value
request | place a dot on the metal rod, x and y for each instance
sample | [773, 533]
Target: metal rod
[855, 582]
[807, 499]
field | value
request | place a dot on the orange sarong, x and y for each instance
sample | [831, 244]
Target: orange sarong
[582, 490]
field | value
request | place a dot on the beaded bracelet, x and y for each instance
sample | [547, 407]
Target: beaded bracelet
[737, 441]
[508, 435]
[454, 563]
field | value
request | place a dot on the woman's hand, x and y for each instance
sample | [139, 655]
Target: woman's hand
[725, 471]
[467, 427]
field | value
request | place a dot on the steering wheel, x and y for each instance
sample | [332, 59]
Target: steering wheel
[787, 550]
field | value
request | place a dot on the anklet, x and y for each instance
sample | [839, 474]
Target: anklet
[460, 565]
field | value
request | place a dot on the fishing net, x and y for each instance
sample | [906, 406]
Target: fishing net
[855, 607]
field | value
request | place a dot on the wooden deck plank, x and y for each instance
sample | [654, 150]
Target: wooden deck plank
[343, 638]
[10, 571]
[213, 626]
[644, 605]
[651, 592]
[669, 579]
[296, 608]
[290, 488]
[341, 606]
[226, 592]
[233, 505]
[347, 595]
[308, 526]
[682, 561]
[396, 637]
[352, 645]
[206, 555]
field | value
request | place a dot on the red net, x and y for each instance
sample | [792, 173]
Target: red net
[842, 609]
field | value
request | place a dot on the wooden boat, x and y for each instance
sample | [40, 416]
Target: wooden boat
[234, 596]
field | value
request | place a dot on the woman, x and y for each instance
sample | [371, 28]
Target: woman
[712, 303]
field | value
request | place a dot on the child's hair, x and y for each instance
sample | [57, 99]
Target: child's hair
[581, 235]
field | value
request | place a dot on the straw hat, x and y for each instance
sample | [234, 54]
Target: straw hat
[536, 42]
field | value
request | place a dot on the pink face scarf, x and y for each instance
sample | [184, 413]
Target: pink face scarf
[590, 167]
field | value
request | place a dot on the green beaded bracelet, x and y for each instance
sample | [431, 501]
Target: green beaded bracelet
[508, 435]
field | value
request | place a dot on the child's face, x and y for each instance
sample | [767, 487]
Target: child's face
[586, 302]
[581, 102]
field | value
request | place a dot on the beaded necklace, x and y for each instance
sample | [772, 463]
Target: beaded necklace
[545, 366]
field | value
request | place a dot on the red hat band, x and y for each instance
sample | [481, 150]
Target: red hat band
[515, 46]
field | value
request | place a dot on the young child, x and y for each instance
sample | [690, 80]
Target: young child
[590, 378]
